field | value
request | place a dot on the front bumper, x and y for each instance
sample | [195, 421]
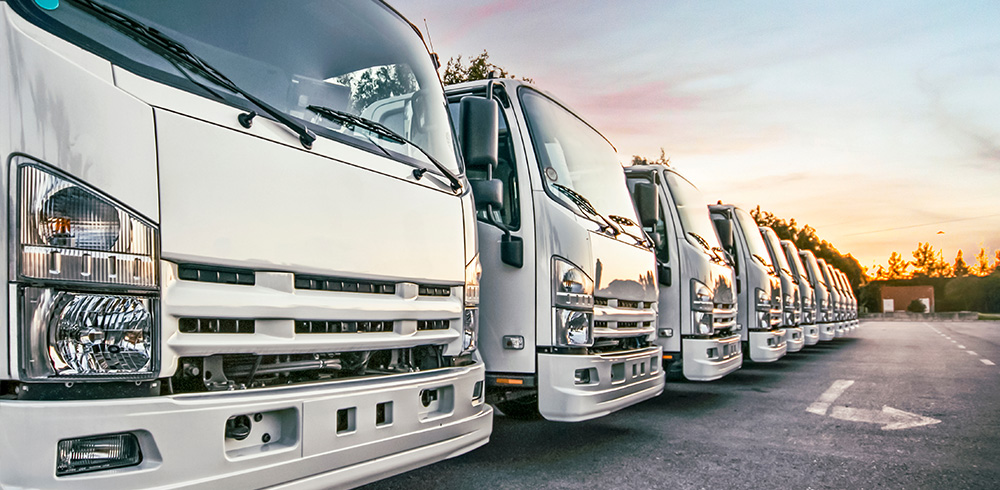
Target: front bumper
[767, 345]
[183, 441]
[711, 359]
[616, 381]
[811, 333]
[795, 338]
[827, 331]
[841, 329]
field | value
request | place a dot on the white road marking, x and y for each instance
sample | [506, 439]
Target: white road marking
[971, 353]
[987, 362]
[954, 341]
[824, 401]
[947, 337]
[961, 346]
[890, 418]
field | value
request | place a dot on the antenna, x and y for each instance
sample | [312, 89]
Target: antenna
[428, 30]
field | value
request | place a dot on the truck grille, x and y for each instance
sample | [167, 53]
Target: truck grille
[215, 325]
[322, 283]
[223, 275]
[318, 326]
[432, 325]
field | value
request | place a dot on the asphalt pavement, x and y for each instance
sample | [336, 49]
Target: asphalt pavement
[898, 405]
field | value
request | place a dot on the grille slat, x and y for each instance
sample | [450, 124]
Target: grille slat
[321, 326]
[216, 325]
[323, 283]
[221, 275]
[433, 325]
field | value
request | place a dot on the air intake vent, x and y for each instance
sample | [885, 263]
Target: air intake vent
[435, 291]
[215, 325]
[432, 324]
[600, 301]
[223, 275]
[314, 326]
[600, 324]
[628, 324]
[321, 283]
[629, 304]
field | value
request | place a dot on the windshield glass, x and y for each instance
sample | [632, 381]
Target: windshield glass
[755, 242]
[572, 154]
[356, 57]
[797, 266]
[779, 255]
[693, 212]
[812, 268]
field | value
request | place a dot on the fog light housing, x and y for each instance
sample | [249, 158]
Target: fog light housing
[96, 453]
[703, 323]
[574, 328]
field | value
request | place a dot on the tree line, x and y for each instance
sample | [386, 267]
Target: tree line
[930, 263]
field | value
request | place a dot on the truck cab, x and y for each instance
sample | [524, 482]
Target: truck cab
[839, 308]
[852, 301]
[568, 299]
[697, 325]
[823, 305]
[225, 271]
[790, 305]
[758, 287]
[807, 297]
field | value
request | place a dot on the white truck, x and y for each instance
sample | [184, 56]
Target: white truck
[697, 325]
[852, 301]
[221, 272]
[839, 305]
[823, 303]
[757, 285]
[568, 295]
[807, 297]
[790, 306]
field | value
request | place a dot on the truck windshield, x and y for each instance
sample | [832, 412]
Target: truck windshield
[693, 212]
[755, 242]
[357, 57]
[570, 153]
[779, 254]
[798, 266]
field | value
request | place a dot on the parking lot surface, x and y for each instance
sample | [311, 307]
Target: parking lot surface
[898, 405]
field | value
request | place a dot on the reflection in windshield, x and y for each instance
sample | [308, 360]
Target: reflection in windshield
[755, 242]
[572, 154]
[779, 255]
[693, 211]
[348, 56]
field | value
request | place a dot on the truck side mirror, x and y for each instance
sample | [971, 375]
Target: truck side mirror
[725, 229]
[487, 192]
[480, 140]
[512, 251]
[664, 274]
[646, 202]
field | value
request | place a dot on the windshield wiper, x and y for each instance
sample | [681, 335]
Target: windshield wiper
[584, 204]
[354, 120]
[623, 222]
[179, 56]
[701, 240]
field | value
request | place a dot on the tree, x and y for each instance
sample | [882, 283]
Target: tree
[960, 269]
[376, 84]
[996, 262]
[982, 266]
[928, 263]
[897, 267]
[479, 68]
[663, 160]
[916, 306]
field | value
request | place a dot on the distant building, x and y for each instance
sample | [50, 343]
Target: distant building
[897, 298]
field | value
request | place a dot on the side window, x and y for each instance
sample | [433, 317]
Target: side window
[506, 171]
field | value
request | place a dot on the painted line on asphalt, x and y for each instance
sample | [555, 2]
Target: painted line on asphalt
[971, 353]
[987, 362]
[961, 346]
[954, 341]
[829, 396]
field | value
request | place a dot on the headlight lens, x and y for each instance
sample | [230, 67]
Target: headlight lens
[82, 335]
[789, 302]
[473, 273]
[572, 287]
[69, 232]
[574, 328]
[701, 297]
[470, 329]
[763, 302]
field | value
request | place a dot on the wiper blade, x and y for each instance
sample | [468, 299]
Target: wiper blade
[623, 222]
[584, 204]
[179, 56]
[354, 120]
[701, 240]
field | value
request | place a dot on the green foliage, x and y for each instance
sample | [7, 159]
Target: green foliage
[928, 263]
[916, 306]
[805, 239]
[479, 68]
[663, 160]
[960, 268]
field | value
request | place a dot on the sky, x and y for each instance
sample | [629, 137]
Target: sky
[876, 123]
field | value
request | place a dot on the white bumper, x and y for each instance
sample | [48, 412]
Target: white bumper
[183, 441]
[767, 346]
[795, 338]
[617, 380]
[811, 333]
[711, 359]
[827, 331]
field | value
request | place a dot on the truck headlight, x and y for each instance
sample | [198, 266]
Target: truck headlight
[701, 297]
[573, 301]
[92, 264]
[763, 302]
[470, 329]
[789, 303]
[473, 273]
